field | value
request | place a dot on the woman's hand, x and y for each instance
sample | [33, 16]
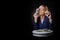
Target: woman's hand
[50, 19]
[48, 14]
[35, 15]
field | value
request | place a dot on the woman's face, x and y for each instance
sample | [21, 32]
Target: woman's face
[42, 10]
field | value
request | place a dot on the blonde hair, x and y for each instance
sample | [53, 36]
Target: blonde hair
[46, 9]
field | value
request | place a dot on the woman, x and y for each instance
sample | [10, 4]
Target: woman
[42, 18]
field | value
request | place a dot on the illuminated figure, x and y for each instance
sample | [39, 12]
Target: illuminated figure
[42, 18]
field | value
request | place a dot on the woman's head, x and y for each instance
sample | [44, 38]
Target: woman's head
[42, 9]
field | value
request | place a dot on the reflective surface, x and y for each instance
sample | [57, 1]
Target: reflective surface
[42, 32]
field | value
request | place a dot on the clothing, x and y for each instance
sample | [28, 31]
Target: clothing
[45, 24]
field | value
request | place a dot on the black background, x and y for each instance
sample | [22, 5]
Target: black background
[29, 8]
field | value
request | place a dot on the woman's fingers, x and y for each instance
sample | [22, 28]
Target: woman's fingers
[37, 10]
[35, 15]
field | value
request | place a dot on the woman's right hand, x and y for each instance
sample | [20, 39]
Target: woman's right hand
[35, 15]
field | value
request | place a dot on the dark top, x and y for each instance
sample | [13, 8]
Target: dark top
[45, 24]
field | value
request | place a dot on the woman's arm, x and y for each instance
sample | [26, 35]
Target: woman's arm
[48, 14]
[49, 25]
[50, 19]
[35, 20]
[35, 17]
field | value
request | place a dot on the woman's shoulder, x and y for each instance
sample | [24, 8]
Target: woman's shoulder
[46, 18]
